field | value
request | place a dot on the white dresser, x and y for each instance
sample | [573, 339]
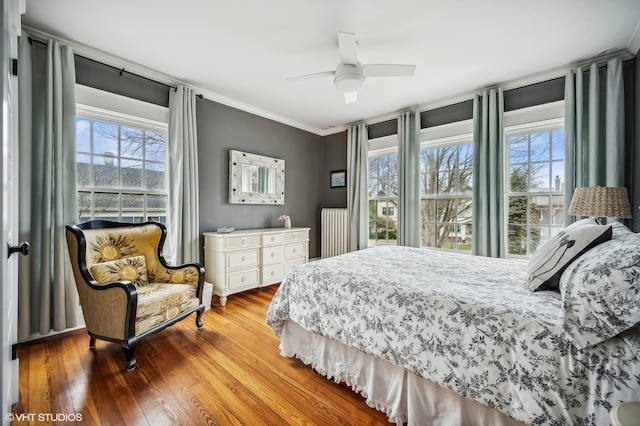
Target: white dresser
[242, 260]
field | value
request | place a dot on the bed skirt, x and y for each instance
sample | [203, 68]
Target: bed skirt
[404, 397]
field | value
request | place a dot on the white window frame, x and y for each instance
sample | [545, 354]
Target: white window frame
[107, 107]
[381, 147]
[445, 136]
[546, 117]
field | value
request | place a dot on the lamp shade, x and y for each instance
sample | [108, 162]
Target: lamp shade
[600, 201]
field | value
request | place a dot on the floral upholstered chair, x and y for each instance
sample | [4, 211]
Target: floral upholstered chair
[127, 290]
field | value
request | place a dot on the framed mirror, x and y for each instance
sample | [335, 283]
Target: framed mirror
[255, 179]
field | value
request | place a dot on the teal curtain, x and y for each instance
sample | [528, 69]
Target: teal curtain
[594, 128]
[488, 175]
[47, 297]
[357, 186]
[184, 217]
[409, 179]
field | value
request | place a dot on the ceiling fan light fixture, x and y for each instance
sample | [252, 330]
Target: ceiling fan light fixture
[349, 78]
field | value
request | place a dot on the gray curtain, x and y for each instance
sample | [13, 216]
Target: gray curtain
[184, 217]
[594, 128]
[409, 179]
[357, 186]
[488, 174]
[47, 297]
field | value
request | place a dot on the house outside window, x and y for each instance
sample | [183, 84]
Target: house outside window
[535, 157]
[446, 179]
[121, 167]
[383, 196]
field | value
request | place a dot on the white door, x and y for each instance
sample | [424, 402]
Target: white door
[11, 10]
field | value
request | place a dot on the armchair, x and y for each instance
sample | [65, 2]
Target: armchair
[127, 290]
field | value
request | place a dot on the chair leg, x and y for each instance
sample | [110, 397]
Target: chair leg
[92, 342]
[131, 358]
[199, 318]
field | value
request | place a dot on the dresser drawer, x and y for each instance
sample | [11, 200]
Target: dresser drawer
[272, 254]
[242, 259]
[296, 236]
[294, 250]
[275, 238]
[272, 274]
[248, 278]
[242, 241]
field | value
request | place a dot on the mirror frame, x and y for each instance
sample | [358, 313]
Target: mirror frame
[236, 160]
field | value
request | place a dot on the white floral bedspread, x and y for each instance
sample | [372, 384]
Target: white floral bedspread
[466, 322]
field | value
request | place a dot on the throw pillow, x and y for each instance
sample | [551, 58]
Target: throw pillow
[132, 269]
[547, 264]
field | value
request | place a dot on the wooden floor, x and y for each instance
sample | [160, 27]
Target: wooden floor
[228, 373]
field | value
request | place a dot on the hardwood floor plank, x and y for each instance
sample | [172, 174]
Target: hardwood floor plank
[228, 373]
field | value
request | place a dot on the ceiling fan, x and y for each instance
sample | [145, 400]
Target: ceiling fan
[350, 74]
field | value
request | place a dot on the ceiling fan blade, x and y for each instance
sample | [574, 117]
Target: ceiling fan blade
[311, 76]
[350, 97]
[348, 46]
[388, 70]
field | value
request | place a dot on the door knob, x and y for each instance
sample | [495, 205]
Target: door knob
[22, 248]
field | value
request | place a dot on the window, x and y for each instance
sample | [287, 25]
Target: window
[383, 196]
[446, 178]
[121, 167]
[535, 185]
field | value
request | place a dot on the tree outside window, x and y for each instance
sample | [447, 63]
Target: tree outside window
[446, 179]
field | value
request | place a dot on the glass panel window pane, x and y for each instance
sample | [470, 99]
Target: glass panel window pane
[155, 176]
[156, 204]
[105, 138]
[106, 205]
[519, 178]
[84, 205]
[539, 173]
[132, 143]
[518, 149]
[105, 172]
[154, 146]
[83, 135]
[518, 210]
[540, 147]
[557, 144]
[517, 240]
[131, 174]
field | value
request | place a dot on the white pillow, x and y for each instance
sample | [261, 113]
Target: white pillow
[549, 261]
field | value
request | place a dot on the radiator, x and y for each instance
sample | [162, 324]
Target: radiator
[335, 231]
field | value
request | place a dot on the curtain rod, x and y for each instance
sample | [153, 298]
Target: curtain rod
[120, 70]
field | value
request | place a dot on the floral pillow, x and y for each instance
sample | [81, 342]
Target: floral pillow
[601, 292]
[132, 269]
[547, 264]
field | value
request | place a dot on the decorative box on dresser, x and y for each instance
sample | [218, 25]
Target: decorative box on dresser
[251, 258]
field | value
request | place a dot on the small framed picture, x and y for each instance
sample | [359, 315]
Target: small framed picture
[338, 178]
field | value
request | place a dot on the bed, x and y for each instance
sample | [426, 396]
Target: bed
[435, 337]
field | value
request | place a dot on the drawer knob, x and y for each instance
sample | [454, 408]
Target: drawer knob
[243, 279]
[243, 258]
[244, 241]
[294, 236]
[273, 254]
[295, 250]
[273, 273]
[273, 238]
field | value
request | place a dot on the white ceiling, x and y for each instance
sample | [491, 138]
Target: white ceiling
[241, 53]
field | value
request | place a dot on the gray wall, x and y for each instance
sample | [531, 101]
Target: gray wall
[221, 128]
[334, 157]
